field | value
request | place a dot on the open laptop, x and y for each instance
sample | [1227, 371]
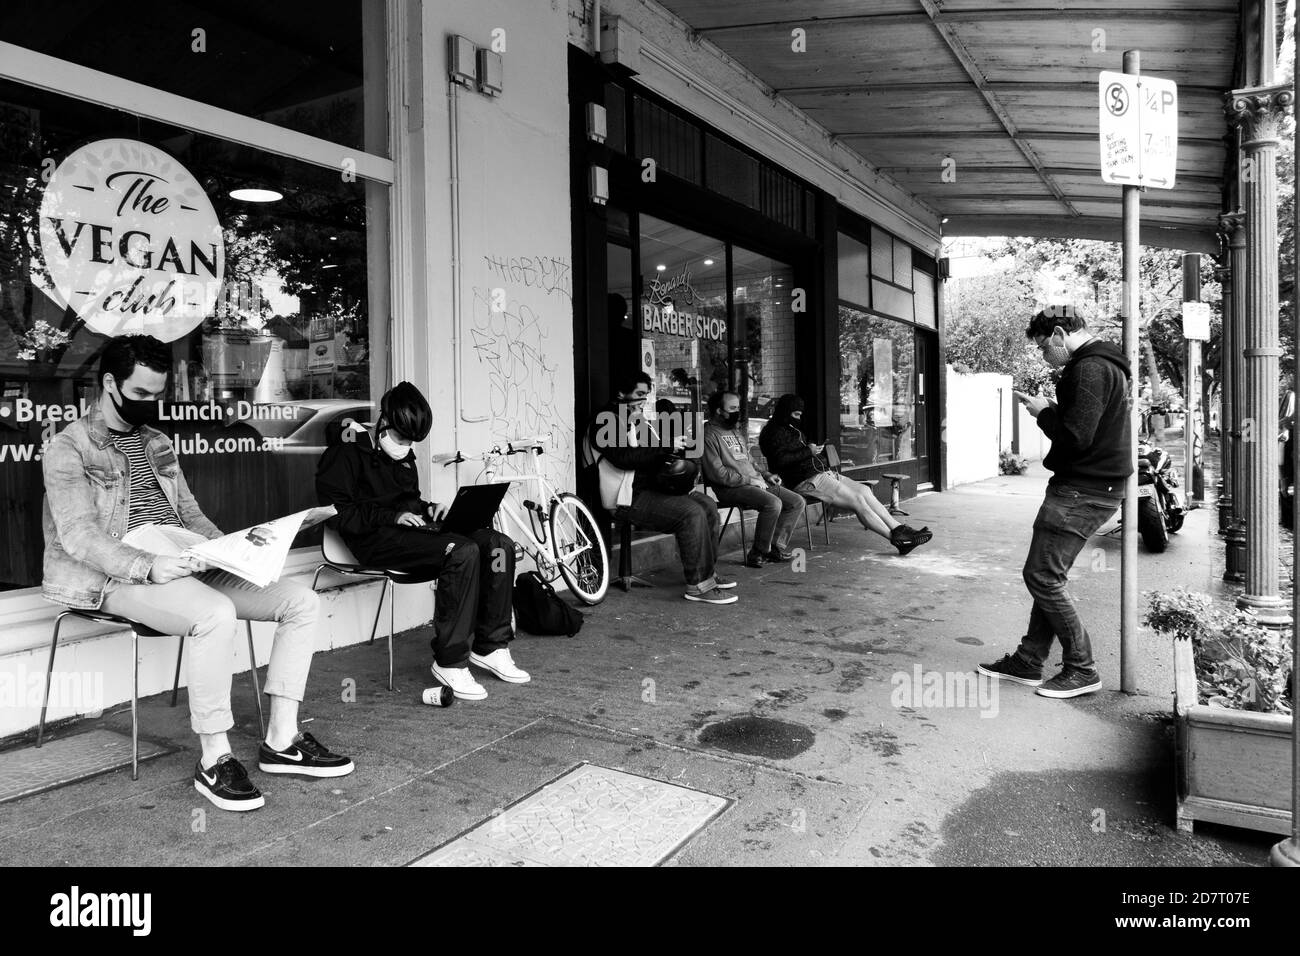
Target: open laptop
[473, 508]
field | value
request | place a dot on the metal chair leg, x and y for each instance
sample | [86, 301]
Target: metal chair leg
[744, 545]
[374, 628]
[316, 577]
[257, 688]
[49, 673]
[392, 624]
[807, 527]
[826, 526]
[135, 696]
[176, 684]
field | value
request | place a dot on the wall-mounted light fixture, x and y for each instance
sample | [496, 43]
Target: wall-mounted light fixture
[597, 127]
[462, 67]
[598, 185]
[491, 72]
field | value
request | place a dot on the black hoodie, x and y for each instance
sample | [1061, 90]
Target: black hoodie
[1089, 425]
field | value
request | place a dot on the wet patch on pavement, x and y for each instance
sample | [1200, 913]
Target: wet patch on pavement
[758, 737]
[973, 641]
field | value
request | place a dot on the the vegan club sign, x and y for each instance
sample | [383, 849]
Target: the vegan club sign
[131, 242]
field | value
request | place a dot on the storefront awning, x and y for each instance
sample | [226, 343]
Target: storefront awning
[987, 110]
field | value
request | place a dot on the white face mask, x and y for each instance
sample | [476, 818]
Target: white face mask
[1055, 355]
[392, 447]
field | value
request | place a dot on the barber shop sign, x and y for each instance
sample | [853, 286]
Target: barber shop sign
[131, 242]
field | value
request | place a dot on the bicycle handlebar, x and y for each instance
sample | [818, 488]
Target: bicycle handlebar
[514, 446]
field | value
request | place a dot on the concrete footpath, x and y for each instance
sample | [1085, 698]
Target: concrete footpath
[830, 705]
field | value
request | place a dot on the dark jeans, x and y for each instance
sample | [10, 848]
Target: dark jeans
[692, 519]
[476, 577]
[1066, 520]
[779, 510]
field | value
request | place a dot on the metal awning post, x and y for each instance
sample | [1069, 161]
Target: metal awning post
[1287, 852]
[1128, 593]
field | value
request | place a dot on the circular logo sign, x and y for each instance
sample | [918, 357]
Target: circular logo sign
[131, 241]
[1116, 99]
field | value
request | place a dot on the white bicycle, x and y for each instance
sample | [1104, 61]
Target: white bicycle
[561, 537]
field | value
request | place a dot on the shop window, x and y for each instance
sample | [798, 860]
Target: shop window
[683, 317]
[765, 363]
[616, 117]
[924, 292]
[891, 300]
[877, 389]
[731, 172]
[671, 141]
[902, 264]
[882, 254]
[314, 66]
[854, 269]
[275, 311]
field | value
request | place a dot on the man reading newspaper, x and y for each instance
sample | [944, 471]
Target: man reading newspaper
[110, 473]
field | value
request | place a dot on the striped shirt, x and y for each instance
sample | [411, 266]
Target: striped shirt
[148, 503]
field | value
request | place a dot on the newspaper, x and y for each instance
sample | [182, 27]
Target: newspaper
[256, 554]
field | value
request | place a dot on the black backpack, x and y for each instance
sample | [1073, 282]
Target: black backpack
[539, 610]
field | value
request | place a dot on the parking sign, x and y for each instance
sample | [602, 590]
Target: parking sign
[1138, 129]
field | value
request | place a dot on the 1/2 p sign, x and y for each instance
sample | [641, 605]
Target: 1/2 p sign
[1138, 129]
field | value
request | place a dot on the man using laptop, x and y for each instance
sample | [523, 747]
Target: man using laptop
[370, 477]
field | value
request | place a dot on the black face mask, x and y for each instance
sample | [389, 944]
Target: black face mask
[731, 420]
[135, 411]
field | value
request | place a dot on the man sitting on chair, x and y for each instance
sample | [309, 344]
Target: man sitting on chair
[370, 477]
[110, 472]
[738, 482]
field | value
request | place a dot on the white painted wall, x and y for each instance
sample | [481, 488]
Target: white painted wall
[1034, 445]
[977, 419]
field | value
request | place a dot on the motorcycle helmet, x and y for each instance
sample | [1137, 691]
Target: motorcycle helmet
[406, 411]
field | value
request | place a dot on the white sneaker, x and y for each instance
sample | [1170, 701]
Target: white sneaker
[500, 663]
[461, 682]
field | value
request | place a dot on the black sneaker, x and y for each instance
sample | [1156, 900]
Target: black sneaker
[753, 560]
[906, 538]
[227, 785]
[1010, 667]
[777, 556]
[304, 756]
[1071, 682]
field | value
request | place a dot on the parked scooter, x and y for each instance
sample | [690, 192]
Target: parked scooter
[1161, 505]
[1286, 467]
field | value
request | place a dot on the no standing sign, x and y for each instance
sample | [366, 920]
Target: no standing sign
[1139, 130]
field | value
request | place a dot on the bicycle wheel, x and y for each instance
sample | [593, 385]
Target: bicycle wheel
[579, 549]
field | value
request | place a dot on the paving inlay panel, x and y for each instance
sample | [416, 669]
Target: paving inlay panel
[591, 816]
[30, 770]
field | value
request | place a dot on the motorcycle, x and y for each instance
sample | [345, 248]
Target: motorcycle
[1161, 505]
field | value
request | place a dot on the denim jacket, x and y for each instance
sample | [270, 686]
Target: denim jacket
[87, 501]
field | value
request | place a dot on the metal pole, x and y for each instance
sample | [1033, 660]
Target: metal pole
[1287, 852]
[1193, 466]
[1128, 591]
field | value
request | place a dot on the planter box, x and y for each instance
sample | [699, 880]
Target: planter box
[1233, 766]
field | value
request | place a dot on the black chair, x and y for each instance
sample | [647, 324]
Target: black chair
[137, 631]
[337, 556]
[626, 579]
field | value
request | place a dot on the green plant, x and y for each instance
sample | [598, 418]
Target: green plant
[1010, 464]
[1240, 664]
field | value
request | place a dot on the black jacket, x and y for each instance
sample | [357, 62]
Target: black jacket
[1089, 425]
[369, 489]
[603, 433]
[787, 453]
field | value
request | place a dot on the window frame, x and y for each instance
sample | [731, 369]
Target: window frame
[48, 73]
